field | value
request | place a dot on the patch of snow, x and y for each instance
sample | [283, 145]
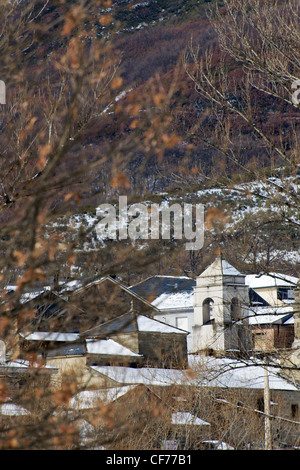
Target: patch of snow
[174, 300]
[90, 398]
[11, 409]
[108, 346]
[270, 280]
[219, 445]
[229, 270]
[185, 418]
[230, 373]
[48, 336]
[150, 325]
[269, 315]
[144, 375]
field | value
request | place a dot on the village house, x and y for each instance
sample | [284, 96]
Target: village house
[173, 298]
[273, 289]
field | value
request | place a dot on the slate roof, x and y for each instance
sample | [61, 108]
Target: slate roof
[155, 286]
[129, 323]
[229, 270]
[57, 307]
[67, 350]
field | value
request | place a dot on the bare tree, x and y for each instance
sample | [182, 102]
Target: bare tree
[65, 99]
[248, 85]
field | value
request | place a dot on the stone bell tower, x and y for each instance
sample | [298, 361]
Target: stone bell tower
[221, 305]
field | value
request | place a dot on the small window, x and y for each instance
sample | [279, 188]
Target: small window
[260, 404]
[285, 293]
[207, 310]
[295, 410]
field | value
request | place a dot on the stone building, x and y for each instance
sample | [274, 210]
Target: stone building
[155, 343]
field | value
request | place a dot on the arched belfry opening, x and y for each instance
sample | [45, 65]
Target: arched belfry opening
[207, 307]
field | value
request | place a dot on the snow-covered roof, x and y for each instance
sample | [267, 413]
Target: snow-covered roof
[131, 322]
[185, 418]
[150, 325]
[144, 375]
[230, 373]
[50, 336]
[229, 270]
[90, 398]
[30, 295]
[11, 409]
[219, 445]
[22, 364]
[157, 286]
[256, 281]
[269, 315]
[108, 346]
[177, 300]
[204, 371]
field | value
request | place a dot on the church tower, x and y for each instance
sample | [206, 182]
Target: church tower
[221, 306]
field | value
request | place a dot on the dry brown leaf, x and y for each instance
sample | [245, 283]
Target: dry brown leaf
[120, 180]
[214, 215]
[73, 53]
[27, 128]
[135, 123]
[4, 324]
[21, 257]
[158, 99]
[116, 83]
[44, 151]
[72, 19]
[106, 20]
[171, 140]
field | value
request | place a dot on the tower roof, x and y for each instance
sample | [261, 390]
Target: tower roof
[220, 267]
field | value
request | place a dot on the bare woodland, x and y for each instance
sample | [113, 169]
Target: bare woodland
[74, 134]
